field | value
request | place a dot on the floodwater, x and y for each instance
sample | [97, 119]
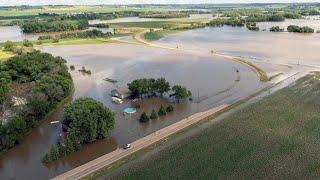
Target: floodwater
[14, 33]
[311, 21]
[138, 19]
[270, 47]
[212, 81]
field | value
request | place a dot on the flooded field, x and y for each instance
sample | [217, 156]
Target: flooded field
[14, 33]
[311, 21]
[278, 48]
[212, 81]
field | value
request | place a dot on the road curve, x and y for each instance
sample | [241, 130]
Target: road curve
[110, 158]
[260, 73]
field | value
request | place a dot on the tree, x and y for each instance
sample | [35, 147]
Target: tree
[144, 117]
[46, 158]
[162, 85]
[181, 92]
[162, 111]
[88, 119]
[38, 104]
[144, 86]
[169, 108]
[154, 114]
[27, 43]
[5, 82]
[54, 154]
[8, 46]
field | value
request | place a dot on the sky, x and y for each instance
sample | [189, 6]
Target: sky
[93, 2]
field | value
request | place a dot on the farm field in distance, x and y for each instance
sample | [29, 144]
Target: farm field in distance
[275, 138]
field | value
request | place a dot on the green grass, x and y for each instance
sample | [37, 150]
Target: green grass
[156, 35]
[59, 10]
[158, 24]
[275, 138]
[78, 41]
[4, 55]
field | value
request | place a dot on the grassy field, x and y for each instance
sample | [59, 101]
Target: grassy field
[156, 35]
[18, 11]
[4, 55]
[78, 41]
[275, 138]
[21, 11]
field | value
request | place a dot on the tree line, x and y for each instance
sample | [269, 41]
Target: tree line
[298, 29]
[87, 121]
[229, 22]
[154, 115]
[52, 25]
[50, 83]
[150, 87]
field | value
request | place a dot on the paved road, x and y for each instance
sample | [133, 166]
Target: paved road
[108, 159]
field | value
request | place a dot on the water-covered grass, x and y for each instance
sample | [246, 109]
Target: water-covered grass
[275, 138]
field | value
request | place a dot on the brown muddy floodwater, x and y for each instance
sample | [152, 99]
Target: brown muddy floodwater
[212, 80]
[14, 33]
[270, 47]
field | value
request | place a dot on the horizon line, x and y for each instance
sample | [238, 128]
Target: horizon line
[133, 4]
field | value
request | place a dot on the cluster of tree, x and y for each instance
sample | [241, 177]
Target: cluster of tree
[298, 29]
[148, 86]
[17, 49]
[151, 86]
[265, 17]
[181, 92]
[154, 115]
[85, 34]
[101, 25]
[164, 15]
[85, 71]
[51, 83]
[51, 25]
[5, 83]
[252, 26]
[310, 12]
[276, 29]
[292, 15]
[88, 120]
[229, 22]
[82, 35]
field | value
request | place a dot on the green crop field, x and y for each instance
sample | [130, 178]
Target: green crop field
[22, 11]
[275, 138]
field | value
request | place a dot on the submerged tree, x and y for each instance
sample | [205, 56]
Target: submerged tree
[169, 108]
[181, 92]
[154, 114]
[162, 111]
[144, 117]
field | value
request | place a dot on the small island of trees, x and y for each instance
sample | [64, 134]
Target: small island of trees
[298, 29]
[146, 87]
[276, 29]
[87, 120]
[53, 25]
